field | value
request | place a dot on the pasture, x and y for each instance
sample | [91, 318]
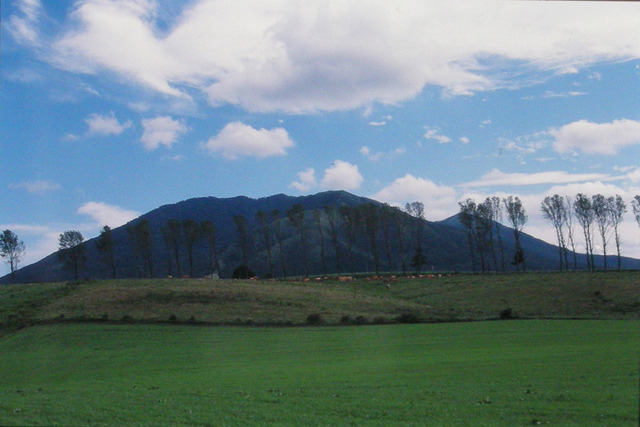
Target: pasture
[533, 372]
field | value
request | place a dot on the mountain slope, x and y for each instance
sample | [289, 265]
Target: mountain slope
[444, 242]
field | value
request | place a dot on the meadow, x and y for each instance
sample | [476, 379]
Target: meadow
[161, 352]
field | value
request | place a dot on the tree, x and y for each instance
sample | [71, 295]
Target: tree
[263, 222]
[497, 217]
[317, 214]
[399, 220]
[584, 214]
[553, 209]
[168, 245]
[173, 232]
[106, 247]
[331, 214]
[277, 230]
[296, 217]
[416, 209]
[602, 207]
[12, 249]
[467, 219]
[568, 206]
[619, 208]
[142, 243]
[350, 219]
[369, 213]
[71, 251]
[386, 216]
[243, 237]
[517, 218]
[210, 238]
[192, 235]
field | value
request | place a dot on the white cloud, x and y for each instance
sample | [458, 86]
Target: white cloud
[161, 130]
[439, 201]
[106, 124]
[498, 178]
[307, 180]
[434, 134]
[596, 138]
[104, 214]
[342, 176]
[23, 26]
[36, 187]
[382, 123]
[366, 151]
[303, 57]
[464, 140]
[237, 139]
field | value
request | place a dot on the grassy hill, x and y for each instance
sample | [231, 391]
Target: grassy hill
[580, 295]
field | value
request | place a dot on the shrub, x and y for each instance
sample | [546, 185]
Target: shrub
[361, 320]
[408, 318]
[173, 318]
[345, 320]
[507, 314]
[242, 272]
[314, 319]
[126, 319]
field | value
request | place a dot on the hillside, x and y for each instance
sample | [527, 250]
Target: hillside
[444, 243]
[576, 295]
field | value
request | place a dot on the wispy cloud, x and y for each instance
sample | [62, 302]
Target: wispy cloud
[434, 134]
[498, 178]
[106, 124]
[105, 214]
[36, 187]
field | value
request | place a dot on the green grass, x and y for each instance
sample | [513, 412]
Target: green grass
[613, 295]
[487, 373]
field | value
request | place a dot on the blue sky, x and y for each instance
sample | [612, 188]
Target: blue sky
[109, 109]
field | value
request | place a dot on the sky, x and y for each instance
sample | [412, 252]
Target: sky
[111, 108]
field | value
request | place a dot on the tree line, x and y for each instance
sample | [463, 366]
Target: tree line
[392, 239]
[598, 217]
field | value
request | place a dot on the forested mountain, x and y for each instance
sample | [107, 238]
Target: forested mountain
[289, 236]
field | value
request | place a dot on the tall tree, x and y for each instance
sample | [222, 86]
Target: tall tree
[602, 207]
[12, 249]
[142, 242]
[370, 214]
[242, 229]
[498, 217]
[635, 205]
[295, 214]
[568, 206]
[317, 215]
[467, 219]
[210, 238]
[277, 231]
[517, 218]
[399, 219]
[106, 247]
[386, 217]
[263, 222]
[553, 209]
[484, 225]
[619, 208]
[584, 214]
[488, 208]
[192, 235]
[71, 251]
[174, 236]
[416, 209]
[331, 214]
[350, 222]
[168, 246]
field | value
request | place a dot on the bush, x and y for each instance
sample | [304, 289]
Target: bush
[507, 314]
[408, 318]
[173, 318]
[361, 320]
[242, 272]
[345, 320]
[314, 319]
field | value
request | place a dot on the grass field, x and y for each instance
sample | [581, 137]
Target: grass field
[612, 295]
[556, 372]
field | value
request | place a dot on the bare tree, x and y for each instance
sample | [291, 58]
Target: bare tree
[192, 235]
[332, 218]
[399, 220]
[602, 207]
[106, 247]
[416, 209]
[617, 213]
[568, 206]
[142, 243]
[467, 219]
[584, 214]
[173, 232]
[210, 237]
[71, 251]
[263, 221]
[552, 208]
[350, 223]
[386, 215]
[12, 249]
[369, 213]
[277, 230]
[517, 218]
[317, 215]
[296, 217]
[242, 229]
[497, 218]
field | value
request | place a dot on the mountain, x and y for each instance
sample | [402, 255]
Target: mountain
[444, 243]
